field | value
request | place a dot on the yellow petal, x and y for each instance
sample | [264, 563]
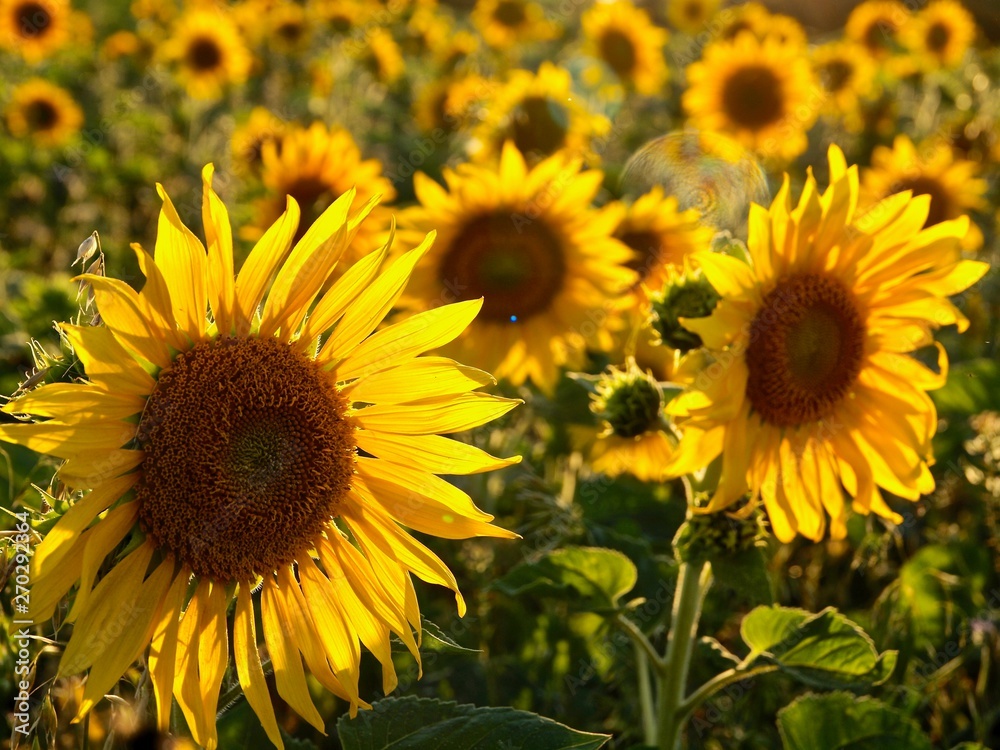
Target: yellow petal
[248, 666]
[187, 686]
[219, 236]
[424, 377]
[106, 362]
[68, 440]
[372, 305]
[402, 341]
[163, 649]
[433, 453]
[75, 402]
[156, 294]
[451, 414]
[90, 469]
[129, 633]
[181, 257]
[213, 656]
[129, 319]
[267, 256]
[99, 541]
[728, 276]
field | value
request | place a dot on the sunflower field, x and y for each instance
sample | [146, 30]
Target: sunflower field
[499, 374]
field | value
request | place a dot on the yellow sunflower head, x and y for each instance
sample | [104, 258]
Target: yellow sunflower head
[763, 93]
[540, 113]
[527, 240]
[316, 166]
[34, 29]
[624, 38]
[953, 185]
[288, 27]
[455, 50]
[207, 51]
[760, 23]
[449, 104]
[940, 34]
[253, 434]
[660, 234]
[381, 56]
[249, 138]
[691, 16]
[875, 25]
[810, 393]
[44, 112]
[847, 74]
[340, 16]
[506, 23]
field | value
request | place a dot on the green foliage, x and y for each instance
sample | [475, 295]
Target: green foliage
[418, 724]
[841, 721]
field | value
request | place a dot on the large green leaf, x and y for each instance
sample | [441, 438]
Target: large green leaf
[592, 577]
[825, 649]
[420, 723]
[841, 721]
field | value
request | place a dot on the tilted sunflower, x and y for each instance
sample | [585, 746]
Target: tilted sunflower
[316, 166]
[34, 29]
[540, 113]
[340, 16]
[847, 74]
[762, 93]
[288, 29]
[528, 242]
[208, 52]
[448, 104]
[953, 184]
[691, 16]
[875, 25]
[660, 235]
[277, 445]
[381, 56]
[756, 19]
[44, 112]
[263, 126]
[624, 38]
[812, 391]
[940, 35]
[506, 23]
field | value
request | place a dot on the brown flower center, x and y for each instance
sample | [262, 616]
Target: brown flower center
[204, 55]
[313, 196]
[879, 35]
[836, 74]
[248, 455]
[805, 350]
[41, 115]
[694, 10]
[941, 204]
[752, 97]
[32, 20]
[649, 249]
[618, 51]
[290, 31]
[539, 126]
[514, 262]
[510, 13]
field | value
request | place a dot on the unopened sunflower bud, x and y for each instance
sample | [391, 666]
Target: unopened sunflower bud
[713, 535]
[629, 401]
[684, 296]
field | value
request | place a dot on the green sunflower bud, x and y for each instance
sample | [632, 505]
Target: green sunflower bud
[684, 296]
[629, 401]
[712, 536]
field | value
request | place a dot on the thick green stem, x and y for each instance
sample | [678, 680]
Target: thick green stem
[646, 703]
[692, 584]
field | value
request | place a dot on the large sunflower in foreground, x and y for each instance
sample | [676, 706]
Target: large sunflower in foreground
[624, 38]
[35, 29]
[812, 392]
[44, 112]
[528, 242]
[953, 184]
[317, 165]
[762, 93]
[208, 52]
[267, 447]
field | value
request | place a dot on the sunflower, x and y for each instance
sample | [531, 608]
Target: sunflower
[453, 51]
[528, 241]
[288, 29]
[237, 454]
[44, 112]
[381, 56]
[812, 388]
[660, 235]
[847, 75]
[340, 16]
[875, 25]
[940, 34]
[540, 113]
[35, 29]
[624, 39]
[763, 93]
[506, 23]
[761, 23]
[248, 141]
[953, 185]
[316, 166]
[446, 105]
[208, 51]
[691, 16]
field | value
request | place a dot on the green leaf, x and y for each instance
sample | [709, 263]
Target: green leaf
[420, 723]
[824, 650]
[972, 387]
[744, 576]
[841, 721]
[436, 639]
[591, 577]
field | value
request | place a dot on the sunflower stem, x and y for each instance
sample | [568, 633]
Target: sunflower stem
[692, 585]
[645, 696]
